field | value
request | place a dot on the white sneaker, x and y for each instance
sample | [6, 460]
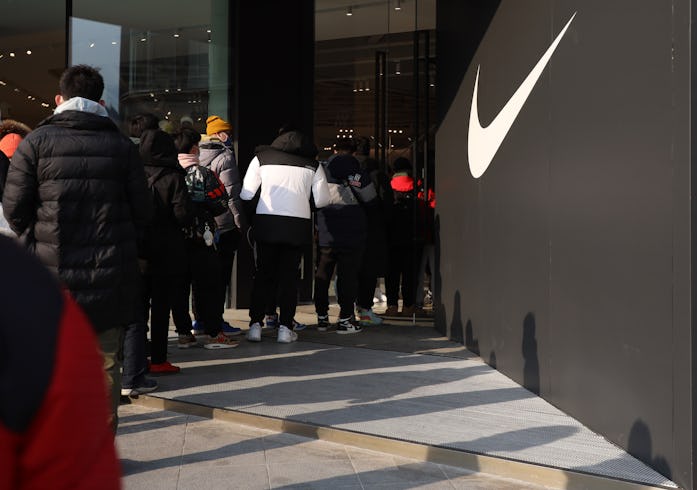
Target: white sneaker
[286, 335]
[254, 334]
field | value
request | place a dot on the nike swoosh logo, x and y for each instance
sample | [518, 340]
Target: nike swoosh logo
[484, 142]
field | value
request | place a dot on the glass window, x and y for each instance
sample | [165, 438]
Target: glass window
[32, 57]
[374, 76]
[161, 56]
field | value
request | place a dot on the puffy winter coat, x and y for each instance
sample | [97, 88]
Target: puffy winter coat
[221, 160]
[77, 197]
[343, 223]
[54, 417]
[165, 246]
[289, 176]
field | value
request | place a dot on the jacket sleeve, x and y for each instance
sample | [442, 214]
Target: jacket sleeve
[252, 181]
[216, 195]
[19, 199]
[4, 166]
[139, 195]
[182, 206]
[320, 188]
[364, 189]
[230, 176]
[87, 457]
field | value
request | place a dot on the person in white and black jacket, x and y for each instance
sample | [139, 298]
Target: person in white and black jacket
[342, 233]
[289, 176]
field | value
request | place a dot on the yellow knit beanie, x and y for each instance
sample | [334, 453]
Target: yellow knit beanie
[215, 124]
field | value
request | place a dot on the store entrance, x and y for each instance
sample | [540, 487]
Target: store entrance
[375, 80]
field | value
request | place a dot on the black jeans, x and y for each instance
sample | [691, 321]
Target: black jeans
[403, 266]
[227, 247]
[135, 338]
[347, 262]
[206, 286]
[167, 293]
[276, 273]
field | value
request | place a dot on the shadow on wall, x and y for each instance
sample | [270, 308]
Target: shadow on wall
[531, 367]
[640, 446]
[437, 283]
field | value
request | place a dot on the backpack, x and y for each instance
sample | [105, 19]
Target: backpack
[210, 200]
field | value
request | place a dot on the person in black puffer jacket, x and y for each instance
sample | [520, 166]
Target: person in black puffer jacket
[77, 197]
[165, 249]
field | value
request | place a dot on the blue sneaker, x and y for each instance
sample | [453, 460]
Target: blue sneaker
[298, 326]
[197, 328]
[271, 321]
[229, 330]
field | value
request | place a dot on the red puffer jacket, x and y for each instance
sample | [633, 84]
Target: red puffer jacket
[54, 415]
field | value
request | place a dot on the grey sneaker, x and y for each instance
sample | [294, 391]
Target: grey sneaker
[347, 326]
[186, 340]
[146, 386]
[322, 323]
[286, 335]
[254, 334]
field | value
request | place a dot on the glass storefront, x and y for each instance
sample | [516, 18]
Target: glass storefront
[375, 77]
[32, 57]
[157, 57]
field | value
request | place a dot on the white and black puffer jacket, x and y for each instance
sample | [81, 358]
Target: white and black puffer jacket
[289, 176]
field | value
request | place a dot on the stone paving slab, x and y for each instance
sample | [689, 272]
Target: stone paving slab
[167, 450]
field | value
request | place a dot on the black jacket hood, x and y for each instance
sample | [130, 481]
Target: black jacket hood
[157, 149]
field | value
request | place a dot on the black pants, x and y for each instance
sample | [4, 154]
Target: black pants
[168, 293]
[206, 286]
[227, 247]
[134, 351]
[402, 267]
[276, 271]
[347, 262]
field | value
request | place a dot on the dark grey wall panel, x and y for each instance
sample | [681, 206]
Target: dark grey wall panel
[274, 69]
[567, 264]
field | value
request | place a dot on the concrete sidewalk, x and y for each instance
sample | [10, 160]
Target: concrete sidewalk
[400, 390]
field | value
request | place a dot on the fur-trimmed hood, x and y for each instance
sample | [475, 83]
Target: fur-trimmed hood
[8, 126]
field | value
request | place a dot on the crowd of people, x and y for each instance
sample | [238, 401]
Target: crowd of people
[140, 228]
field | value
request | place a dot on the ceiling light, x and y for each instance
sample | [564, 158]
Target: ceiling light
[349, 11]
[28, 51]
[398, 6]
[397, 69]
[12, 55]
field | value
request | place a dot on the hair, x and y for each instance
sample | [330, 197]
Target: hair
[141, 122]
[401, 164]
[345, 145]
[81, 81]
[362, 145]
[287, 127]
[185, 139]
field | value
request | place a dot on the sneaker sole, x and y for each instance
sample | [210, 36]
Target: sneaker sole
[233, 334]
[348, 332]
[284, 341]
[140, 391]
[219, 346]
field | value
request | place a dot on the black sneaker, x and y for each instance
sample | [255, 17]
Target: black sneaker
[348, 325]
[322, 323]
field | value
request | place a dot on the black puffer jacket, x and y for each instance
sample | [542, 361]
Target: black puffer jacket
[76, 195]
[165, 246]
